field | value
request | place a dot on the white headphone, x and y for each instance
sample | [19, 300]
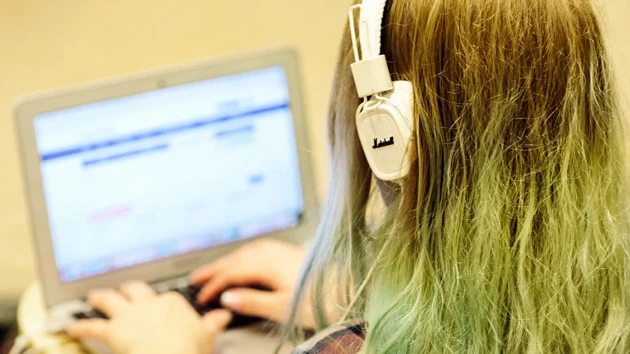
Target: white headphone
[384, 119]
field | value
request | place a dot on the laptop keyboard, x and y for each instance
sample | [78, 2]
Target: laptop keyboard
[189, 292]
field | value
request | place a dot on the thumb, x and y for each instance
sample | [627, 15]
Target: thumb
[256, 303]
[217, 320]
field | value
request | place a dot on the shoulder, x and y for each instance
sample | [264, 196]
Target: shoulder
[345, 338]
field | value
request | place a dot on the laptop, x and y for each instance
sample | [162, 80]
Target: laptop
[149, 176]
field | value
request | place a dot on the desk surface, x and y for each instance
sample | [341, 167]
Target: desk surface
[32, 316]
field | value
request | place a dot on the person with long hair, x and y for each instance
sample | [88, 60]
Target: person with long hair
[508, 234]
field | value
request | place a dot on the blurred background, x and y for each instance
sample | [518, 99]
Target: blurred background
[52, 43]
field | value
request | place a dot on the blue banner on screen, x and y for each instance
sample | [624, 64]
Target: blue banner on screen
[171, 171]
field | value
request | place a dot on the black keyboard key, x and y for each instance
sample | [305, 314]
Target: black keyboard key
[80, 315]
[89, 314]
[190, 294]
[242, 321]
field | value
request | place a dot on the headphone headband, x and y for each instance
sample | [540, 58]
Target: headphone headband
[370, 71]
[371, 20]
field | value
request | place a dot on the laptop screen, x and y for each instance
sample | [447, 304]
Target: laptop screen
[175, 170]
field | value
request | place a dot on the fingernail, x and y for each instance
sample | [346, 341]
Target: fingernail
[223, 317]
[229, 300]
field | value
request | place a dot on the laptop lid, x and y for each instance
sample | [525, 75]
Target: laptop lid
[149, 176]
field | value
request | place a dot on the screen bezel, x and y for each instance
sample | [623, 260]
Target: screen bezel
[29, 108]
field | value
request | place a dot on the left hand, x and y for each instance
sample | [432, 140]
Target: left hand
[142, 322]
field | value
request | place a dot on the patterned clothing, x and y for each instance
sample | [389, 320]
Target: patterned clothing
[341, 339]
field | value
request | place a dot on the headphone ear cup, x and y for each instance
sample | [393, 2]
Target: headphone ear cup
[385, 135]
[402, 97]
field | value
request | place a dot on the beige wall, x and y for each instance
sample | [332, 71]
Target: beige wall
[617, 18]
[51, 43]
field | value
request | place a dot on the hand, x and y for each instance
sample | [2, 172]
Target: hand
[142, 322]
[269, 263]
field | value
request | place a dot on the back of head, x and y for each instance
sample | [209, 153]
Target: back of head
[510, 233]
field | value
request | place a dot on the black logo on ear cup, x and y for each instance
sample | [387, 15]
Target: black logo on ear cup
[383, 143]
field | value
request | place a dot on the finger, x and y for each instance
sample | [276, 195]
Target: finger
[93, 328]
[230, 277]
[229, 261]
[108, 301]
[206, 272]
[203, 274]
[137, 290]
[256, 303]
[217, 320]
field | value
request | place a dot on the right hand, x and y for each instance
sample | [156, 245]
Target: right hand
[269, 263]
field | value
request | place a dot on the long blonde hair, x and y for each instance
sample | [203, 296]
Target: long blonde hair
[511, 232]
